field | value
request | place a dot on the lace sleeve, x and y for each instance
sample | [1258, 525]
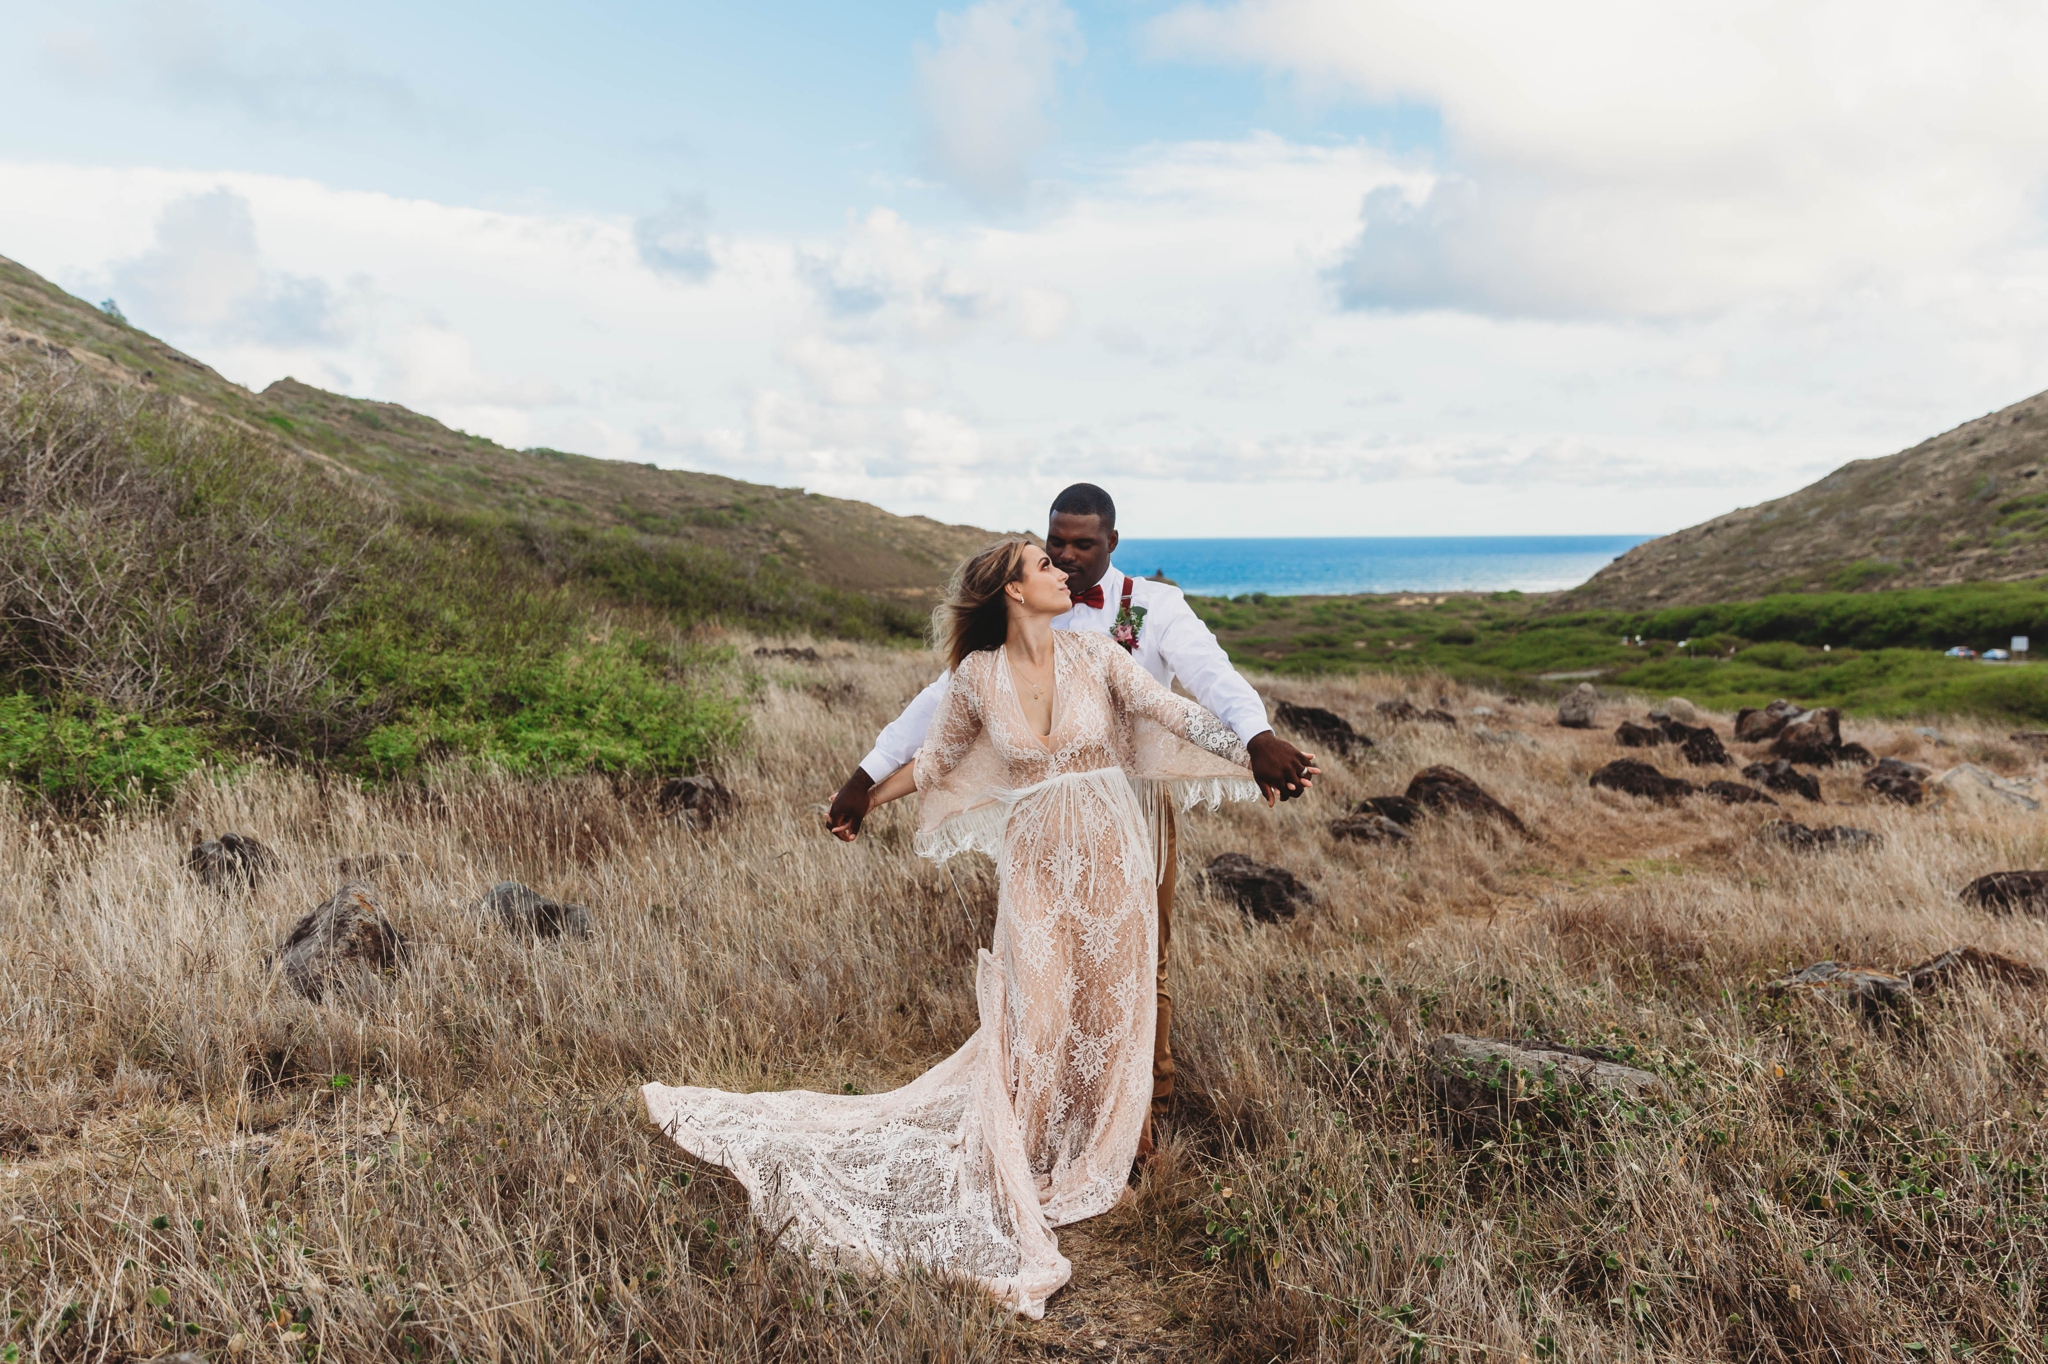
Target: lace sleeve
[1136, 693]
[953, 729]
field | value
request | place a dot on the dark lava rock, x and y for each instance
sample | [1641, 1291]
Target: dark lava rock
[230, 860]
[1700, 745]
[1640, 779]
[347, 935]
[1579, 707]
[1878, 993]
[1400, 809]
[2032, 738]
[1813, 738]
[1735, 793]
[1369, 829]
[698, 801]
[529, 914]
[805, 655]
[1753, 726]
[1808, 839]
[1873, 992]
[1855, 753]
[1444, 789]
[1936, 972]
[1489, 1084]
[1396, 710]
[1900, 781]
[1631, 735]
[1782, 776]
[1323, 728]
[1268, 894]
[1434, 716]
[2003, 892]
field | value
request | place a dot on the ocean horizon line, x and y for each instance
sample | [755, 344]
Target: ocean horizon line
[1342, 565]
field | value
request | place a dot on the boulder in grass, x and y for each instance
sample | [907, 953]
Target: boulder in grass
[1269, 894]
[1903, 782]
[1631, 735]
[1855, 753]
[1400, 809]
[1444, 789]
[1437, 715]
[1579, 707]
[2008, 892]
[1397, 710]
[347, 935]
[230, 860]
[527, 913]
[1783, 777]
[1968, 786]
[1700, 745]
[1490, 1084]
[1735, 793]
[1874, 993]
[1323, 728]
[1813, 738]
[1369, 829]
[1805, 838]
[697, 801]
[1950, 966]
[1755, 726]
[1679, 709]
[1640, 779]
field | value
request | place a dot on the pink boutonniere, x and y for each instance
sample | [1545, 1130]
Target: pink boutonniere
[1129, 620]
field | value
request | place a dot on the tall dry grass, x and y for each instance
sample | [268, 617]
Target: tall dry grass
[445, 1163]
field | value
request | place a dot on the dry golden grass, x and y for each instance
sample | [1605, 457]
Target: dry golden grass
[187, 1165]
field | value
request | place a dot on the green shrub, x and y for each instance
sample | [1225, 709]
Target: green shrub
[76, 755]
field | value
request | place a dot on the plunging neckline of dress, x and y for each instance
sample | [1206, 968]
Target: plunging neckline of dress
[1052, 721]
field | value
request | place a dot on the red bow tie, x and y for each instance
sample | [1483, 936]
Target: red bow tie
[1092, 597]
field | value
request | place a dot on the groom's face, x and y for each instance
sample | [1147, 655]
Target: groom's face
[1080, 548]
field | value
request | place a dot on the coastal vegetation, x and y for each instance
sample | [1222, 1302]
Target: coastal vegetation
[1875, 653]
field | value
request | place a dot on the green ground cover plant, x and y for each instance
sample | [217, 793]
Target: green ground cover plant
[1877, 653]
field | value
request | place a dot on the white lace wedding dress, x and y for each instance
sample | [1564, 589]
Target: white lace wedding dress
[1034, 1122]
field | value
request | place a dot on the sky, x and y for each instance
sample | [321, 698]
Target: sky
[1259, 267]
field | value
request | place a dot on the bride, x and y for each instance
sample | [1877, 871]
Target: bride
[1038, 756]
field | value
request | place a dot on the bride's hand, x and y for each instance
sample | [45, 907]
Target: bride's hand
[1303, 782]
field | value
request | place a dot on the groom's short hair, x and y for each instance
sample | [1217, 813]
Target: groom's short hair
[1085, 499]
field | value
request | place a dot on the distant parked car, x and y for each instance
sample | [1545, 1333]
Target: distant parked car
[1961, 651]
[1996, 656]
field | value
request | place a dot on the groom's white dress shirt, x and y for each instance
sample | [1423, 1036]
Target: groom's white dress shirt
[1172, 643]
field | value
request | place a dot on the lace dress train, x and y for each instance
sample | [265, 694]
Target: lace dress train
[1034, 1121]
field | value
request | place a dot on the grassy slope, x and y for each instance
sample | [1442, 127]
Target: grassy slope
[446, 1164]
[1968, 505]
[1884, 655]
[427, 468]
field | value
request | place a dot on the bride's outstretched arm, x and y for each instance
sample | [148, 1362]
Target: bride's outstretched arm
[1136, 692]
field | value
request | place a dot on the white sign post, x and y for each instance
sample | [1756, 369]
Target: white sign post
[2019, 648]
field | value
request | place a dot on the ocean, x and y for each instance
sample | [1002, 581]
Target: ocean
[1329, 566]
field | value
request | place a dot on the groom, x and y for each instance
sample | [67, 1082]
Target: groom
[1165, 636]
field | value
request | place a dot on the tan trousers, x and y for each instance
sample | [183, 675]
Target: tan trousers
[1162, 1045]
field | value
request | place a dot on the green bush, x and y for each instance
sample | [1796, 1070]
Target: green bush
[75, 755]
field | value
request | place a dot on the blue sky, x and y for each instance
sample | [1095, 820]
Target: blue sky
[1263, 266]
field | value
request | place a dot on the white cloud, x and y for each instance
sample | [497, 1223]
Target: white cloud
[1606, 158]
[673, 242]
[204, 275]
[1170, 333]
[988, 89]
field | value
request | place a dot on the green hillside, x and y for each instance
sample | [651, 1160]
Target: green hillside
[193, 573]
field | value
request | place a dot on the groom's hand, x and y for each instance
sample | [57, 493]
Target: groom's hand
[850, 806]
[1280, 768]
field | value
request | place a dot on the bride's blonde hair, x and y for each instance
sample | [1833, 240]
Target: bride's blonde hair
[975, 615]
